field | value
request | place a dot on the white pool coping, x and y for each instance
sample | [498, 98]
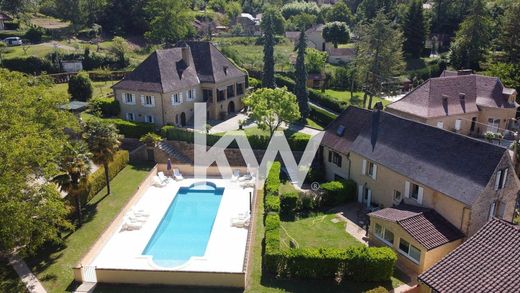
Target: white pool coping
[226, 247]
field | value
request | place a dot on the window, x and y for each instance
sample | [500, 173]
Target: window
[148, 100]
[207, 96]
[410, 251]
[384, 235]
[148, 118]
[473, 124]
[414, 191]
[176, 99]
[493, 125]
[371, 169]
[221, 95]
[501, 179]
[191, 94]
[230, 91]
[240, 89]
[130, 116]
[397, 196]
[337, 159]
[129, 99]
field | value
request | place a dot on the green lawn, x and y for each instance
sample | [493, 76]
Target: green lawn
[317, 231]
[40, 50]
[53, 266]
[356, 99]
[310, 123]
[101, 88]
[260, 281]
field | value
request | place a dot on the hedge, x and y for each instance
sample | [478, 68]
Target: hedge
[288, 205]
[29, 65]
[338, 192]
[132, 129]
[321, 116]
[272, 242]
[97, 181]
[272, 182]
[272, 204]
[107, 107]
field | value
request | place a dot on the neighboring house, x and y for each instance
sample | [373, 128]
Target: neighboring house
[486, 262]
[250, 24]
[3, 18]
[314, 37]
[341, 55]
[164, 88]
[463, 102]
[316, 80]
[398, 163]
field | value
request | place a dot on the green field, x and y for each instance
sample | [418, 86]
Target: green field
[355, 100]
[101, 88]
[53, 266]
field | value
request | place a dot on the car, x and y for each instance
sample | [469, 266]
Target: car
[13, 41]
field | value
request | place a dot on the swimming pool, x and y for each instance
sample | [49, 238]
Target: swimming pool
[185, 229]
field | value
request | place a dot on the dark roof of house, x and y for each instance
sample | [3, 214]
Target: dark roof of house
[211, 65]
[166, 70]
[441, 96]
[4, 16]
[338, 52]
[487, 262]
[450, 163]
[424, 225]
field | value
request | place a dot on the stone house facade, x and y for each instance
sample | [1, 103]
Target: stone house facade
[163, 89]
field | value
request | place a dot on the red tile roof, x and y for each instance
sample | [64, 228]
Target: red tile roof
[430, 229]
[489, 261]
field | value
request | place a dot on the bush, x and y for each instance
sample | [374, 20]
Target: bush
[272, 242]
[297, 8]
[321, 117]
[132, 129]
[338, 192]
[107, 107]
[34, 35]
[377, 290]
[97, 181]
[254, 83]
[298, 141]
[288, 205]
[29, 65]
[80, 87]
[272, 182]
[272, 204]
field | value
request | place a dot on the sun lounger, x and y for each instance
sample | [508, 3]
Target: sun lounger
[177, 175]
[131, 226]
[157, 182]
[240, 223]
[162, 177]
[246, 177]
[133, 219]
[236, 175]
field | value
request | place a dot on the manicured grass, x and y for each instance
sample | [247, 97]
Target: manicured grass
[40, 50]
[9, 280]
[53, 266]
[312, 124]
[355, 100]
[101, 88]
[260, 281]
[317, 231]
[48, 22]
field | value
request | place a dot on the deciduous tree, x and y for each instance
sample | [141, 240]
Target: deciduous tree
[80, 87]
[170, 20]
[336, 32]
[271, 107]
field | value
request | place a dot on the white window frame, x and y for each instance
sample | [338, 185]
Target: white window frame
[127, 116]
[407, 254]
[144, 101]
[125, 99]
[176, 99]
[383, 234]
[501, 179]
[152, 120]
[372, 170]
[190, 95]
[408, 191]
[493, 125]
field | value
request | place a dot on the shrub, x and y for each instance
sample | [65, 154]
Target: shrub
[254, 83]
[272, 242]
[298, 141]
[297, 8]
[321, 117]
[29, 65]
[107, 107]
[150, 138]
[338, 192]
[34, 35]
[272, 204]
[80, 87]
[369, 263]
[288, 205]
[377, 290]
[272, 182]
[132, 129]
[314, 175]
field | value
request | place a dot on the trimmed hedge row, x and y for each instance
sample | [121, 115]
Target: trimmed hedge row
[108, 107]
[297, 141]
[29, 65]
[132, 129]
[272, 204]
[360, 264]
[338, 192]
[321, 116]
[272, 182]
[288, 205]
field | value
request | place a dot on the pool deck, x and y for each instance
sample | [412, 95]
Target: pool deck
[226, 247]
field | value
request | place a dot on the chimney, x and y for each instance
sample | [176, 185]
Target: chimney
[465, 72]
[186, 54]
[376, 117]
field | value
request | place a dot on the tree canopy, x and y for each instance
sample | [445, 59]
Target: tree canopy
[509, 38]
[271, 107]
[414, 29]
[31, 142]
[300, 88]
[171, 20]
[336, 32]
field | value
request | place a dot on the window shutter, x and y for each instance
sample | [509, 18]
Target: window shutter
[133, 99]
[330, 156]
[360, 193]
[492, 210]
[123, 98]
[407, 189]
[180, 98]
[497, 179]
[173, 99]
[420, 195]
[153, 101]
[374, 176]
[457, 124]
[364, 168]
[142, 99]
[369, 198]
[504, 178]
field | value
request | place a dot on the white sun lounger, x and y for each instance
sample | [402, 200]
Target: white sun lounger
[177, 175]
[131, 226]
[157, 182]
[236, 175]
[240, 223]
[162, 177]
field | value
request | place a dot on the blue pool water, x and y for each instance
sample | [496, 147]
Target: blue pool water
[185, 228]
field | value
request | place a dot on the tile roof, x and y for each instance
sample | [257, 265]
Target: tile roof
[452, 164]
[351, 52]
[441, 96]
[166, 71]
[487, 262]
[424, 225]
